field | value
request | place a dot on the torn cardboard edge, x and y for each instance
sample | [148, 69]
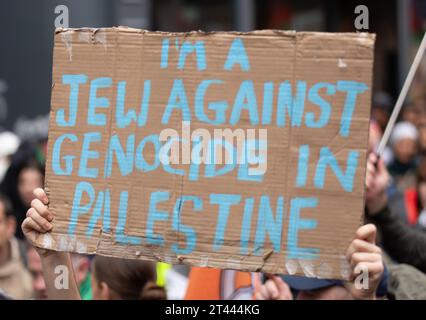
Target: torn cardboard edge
[308, 268]
[265, 32]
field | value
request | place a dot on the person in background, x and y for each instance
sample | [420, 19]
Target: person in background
[410, 113]
[404, 143]
[30, 176]
[410, 204]
[117, 279]
[23, 176]
[404, 246]
[381, 109]
[403, 243]
[81, 267]
[112, 278]
[36, 269]
[15, 280]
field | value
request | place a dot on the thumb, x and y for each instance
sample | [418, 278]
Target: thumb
[367, 233]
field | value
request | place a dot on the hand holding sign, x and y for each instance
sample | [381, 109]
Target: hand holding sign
[39, 219]
[366, 261]
[274, 288]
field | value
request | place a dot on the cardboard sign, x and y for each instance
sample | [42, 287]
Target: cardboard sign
[143, 161]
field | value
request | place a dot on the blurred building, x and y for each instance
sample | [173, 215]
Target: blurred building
[26, 36]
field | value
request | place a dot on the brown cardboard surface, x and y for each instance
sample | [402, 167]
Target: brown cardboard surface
[275, 57]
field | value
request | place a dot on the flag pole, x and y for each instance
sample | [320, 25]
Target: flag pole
[401, 98]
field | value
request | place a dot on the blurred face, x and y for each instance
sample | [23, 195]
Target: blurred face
[405, 150]
[7, 226]
[28, 180]
[36, 270]
[380, 116]
[330, 293]
[410, 115]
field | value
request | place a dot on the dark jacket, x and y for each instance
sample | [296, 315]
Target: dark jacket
[402, 242]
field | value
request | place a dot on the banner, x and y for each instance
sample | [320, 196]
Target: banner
[231, 150]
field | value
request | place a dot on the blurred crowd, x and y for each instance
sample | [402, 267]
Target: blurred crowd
[395, 208]
[404, 157]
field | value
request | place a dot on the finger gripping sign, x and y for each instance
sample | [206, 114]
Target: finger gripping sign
[230, 150]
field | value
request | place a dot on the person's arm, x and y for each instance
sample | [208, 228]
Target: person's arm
[402, 242]
[57, 267]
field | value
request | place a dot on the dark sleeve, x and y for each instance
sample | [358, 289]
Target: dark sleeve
[402, 242]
